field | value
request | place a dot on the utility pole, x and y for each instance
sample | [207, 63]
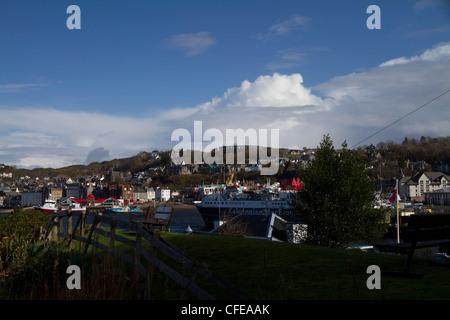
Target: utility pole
[397, 205]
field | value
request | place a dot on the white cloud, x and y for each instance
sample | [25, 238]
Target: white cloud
[425, 4]
[426, 33]
[293, 57]
[16, 87]
[294, 23]
[64, 137]
[349, 107]
[439, 52]
[193, 43]
[363, 103]
[276, 90]
[269, 102]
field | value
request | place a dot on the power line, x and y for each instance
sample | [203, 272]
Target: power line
[401, 118]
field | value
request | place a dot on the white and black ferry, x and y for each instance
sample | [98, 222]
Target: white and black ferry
[235, 201]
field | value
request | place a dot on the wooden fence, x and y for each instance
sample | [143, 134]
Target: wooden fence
[57, 231]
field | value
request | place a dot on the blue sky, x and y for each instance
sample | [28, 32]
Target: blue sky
[137, 70]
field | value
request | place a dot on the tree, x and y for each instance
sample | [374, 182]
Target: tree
[337, 202]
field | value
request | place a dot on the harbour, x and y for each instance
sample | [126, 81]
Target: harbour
[184, 216]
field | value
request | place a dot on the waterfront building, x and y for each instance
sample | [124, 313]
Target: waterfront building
[31, 199]
[127, 194]
[162, 194]
[415, 187]
[73, 190]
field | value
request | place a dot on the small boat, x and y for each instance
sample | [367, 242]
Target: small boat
[118, 209]
[50, 207]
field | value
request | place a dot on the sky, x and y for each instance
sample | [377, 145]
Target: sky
[137, 70]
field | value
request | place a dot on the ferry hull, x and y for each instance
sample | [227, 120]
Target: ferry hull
[212, 214]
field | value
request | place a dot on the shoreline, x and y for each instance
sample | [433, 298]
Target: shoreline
[175, 205]
[142, 207]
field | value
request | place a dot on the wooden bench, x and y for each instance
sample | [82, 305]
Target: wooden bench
[423, 231]
[156, 218]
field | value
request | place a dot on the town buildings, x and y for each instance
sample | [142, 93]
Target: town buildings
[429, 187]
[28, 193]
[162, 194]
[130, 185]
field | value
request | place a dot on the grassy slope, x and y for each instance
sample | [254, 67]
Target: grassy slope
[270, 270]
[282, 271]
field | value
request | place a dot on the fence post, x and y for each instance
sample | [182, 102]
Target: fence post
[69, 226]
[54, 230]
[137, 260]
[151, 267]
[137, 255]
[60, 226]
[88, 242]
[83, 228]
[112, 230]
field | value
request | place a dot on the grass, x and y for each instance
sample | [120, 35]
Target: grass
[273, 270]
[264, 270]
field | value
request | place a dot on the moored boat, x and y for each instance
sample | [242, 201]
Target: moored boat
[50, 207]
[120, 209]
[237, 201]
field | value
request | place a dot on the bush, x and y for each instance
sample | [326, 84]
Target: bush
[17, 231]
[42, 275]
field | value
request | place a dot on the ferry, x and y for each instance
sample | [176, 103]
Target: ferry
[234, 200]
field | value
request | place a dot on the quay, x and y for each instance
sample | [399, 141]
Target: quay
[90, 209]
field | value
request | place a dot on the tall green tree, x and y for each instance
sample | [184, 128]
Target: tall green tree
[337, 201]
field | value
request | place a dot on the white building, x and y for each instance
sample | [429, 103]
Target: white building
[151, 194]
[416, 187]
[6, 175]
[140, 194]
[162, 194]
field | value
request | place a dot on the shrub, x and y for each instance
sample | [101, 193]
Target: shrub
[43, 274]
[17, 231]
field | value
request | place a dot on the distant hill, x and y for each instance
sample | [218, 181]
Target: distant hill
[431, 150]
[133, 164]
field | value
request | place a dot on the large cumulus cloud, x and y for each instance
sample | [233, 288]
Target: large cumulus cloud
[349, 107]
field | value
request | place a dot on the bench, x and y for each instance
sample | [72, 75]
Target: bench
[156, 218]
[423, 231]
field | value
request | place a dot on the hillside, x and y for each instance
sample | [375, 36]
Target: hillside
[411, 156]
[133, 164]
[433, 152]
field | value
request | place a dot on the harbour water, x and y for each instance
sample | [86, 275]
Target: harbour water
[182, 217]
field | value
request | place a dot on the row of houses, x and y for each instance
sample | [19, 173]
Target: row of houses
[126, 193]
[429, 187]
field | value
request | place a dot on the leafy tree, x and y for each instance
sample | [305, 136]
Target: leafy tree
[337, 202]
